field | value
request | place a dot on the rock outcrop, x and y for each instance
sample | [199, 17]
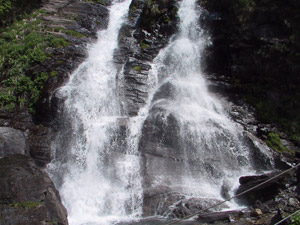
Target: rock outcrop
[12, 141]
[77, 22]
[240, 53]
[148, 29]
[27, 194]
[253, 57]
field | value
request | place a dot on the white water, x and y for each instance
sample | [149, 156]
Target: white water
[212, 147]
[97, 173]
[98, 185]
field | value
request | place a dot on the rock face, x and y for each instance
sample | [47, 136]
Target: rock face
[77, 22]
[27, 195]
[253, 56]
[262, 193]
[82, 20]
[12, 141]
[148, 29]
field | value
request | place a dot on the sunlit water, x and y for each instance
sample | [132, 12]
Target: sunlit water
[98, 184]
[97, 165]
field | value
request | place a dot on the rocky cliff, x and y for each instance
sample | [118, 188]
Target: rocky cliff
[255, 50]
[253, 59]
[42, 42]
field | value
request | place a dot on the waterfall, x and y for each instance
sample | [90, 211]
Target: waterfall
[181, 141]
[97, 183]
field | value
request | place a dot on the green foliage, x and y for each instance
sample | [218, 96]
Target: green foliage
[73, 33]
[144, 45]
[155, 11]
[295, 220]
[53, 222]
[243, 8]
[58, 42]
[295, 138]
[203, 3]
[137, 68]
[5, 6]
[275, 143]
[53, 73]
[25, 205]
[148, 4]
[102, 2]
[12, 10]
[22, 48]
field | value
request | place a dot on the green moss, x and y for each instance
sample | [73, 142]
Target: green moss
[203, 3]
[57, 29]
[166, 19]
[137, 68]
[102, 2]
[148, 4]
[275, 143]
[54, 222]
[5, 7]
[25, 205]
[73, 33]
[53, 73]
[295, 220]
[144, 45]
[155, 11]
[12, 10]
[59, 42]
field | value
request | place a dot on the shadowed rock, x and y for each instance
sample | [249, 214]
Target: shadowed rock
[12, 141]
[27, 195]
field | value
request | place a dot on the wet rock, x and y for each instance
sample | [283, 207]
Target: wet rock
[246, 63]
[82, 18]
[189, 206]
[262, 193]
[157, 200]
[256, 212]
[163, 201]
[141, 37]
[12, 141]
[294, 202]
[27, 195]
[226, 216]
[225, 189]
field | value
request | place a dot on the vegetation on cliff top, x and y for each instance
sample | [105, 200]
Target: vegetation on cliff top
[22, 47]
[13, 10]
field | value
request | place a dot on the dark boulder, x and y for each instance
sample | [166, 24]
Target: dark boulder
[162, 200]
[263, 193]
[226, 216]
[12, 141]
[27, 195]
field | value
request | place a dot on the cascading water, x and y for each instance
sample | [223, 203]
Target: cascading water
[95, 178]
[209, 142]
[189, 145]
[181, 139]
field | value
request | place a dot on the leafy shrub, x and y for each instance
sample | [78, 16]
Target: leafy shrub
[295, 220]
[22, 47]
[274, 142]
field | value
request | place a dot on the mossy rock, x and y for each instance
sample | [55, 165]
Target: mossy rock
[25, 205]
[275, 143]
[137, 68]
